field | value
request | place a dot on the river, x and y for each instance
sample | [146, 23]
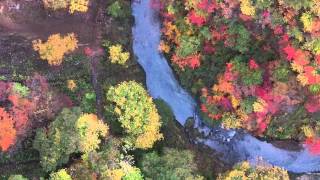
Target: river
[161, 83]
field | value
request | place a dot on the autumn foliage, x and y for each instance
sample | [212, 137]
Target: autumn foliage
[245, 170]
[78, 5]
[14, 118]
[254, 65]
[117, 55]
[8, 132]
[137, 114]
[313, 145]
[71, 5]
[56, 47]
[22, 105]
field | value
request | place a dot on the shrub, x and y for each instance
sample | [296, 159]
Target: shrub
[88, 102]
[117, 10]
[20, 89]
[164, 111]
[281, 73]
[17, 177]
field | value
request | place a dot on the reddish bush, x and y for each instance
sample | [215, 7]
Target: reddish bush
[253, 64]
[207, 6]
[192, 61]
[88, 51]
[290, 52]
[196, 19]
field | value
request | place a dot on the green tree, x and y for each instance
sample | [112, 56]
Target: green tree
[17, 177]
[241, 37]
[108, 163]
[188, 45]
[71, 132]
[281, 73]
[88, 102]
[173, 164]
[299, 4]
[60, 175]
[136, 113]
[248, 76]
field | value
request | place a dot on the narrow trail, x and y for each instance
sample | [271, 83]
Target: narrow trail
[95, 58]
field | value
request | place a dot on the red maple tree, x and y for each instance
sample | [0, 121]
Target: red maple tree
[7, 130]
[196, 19]
[313, 145]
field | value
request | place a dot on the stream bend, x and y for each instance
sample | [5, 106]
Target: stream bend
[161, 83]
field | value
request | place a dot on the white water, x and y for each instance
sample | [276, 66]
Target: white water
[161, 83]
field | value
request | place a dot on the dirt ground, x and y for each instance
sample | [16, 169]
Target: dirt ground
[29, 19]
[22, 21]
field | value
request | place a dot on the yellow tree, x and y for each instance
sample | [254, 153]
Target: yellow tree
[72, 5]
[137, 114]
[244, 170]
[55, 4]
[117, 55]
[78, 5]
[56, 47]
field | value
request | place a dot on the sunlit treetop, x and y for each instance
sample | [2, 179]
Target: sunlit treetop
[56, 47]
[137, 114]
[60, 175]
[117, 55]
[78, 5]
[71, 84]
[71, 5]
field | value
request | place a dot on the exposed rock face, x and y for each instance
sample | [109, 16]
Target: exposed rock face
[313, 176]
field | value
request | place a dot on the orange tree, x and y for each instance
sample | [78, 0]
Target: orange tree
[56, 47]
[8, 132]
[15, 110]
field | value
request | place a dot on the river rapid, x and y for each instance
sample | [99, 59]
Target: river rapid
[161, 83]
